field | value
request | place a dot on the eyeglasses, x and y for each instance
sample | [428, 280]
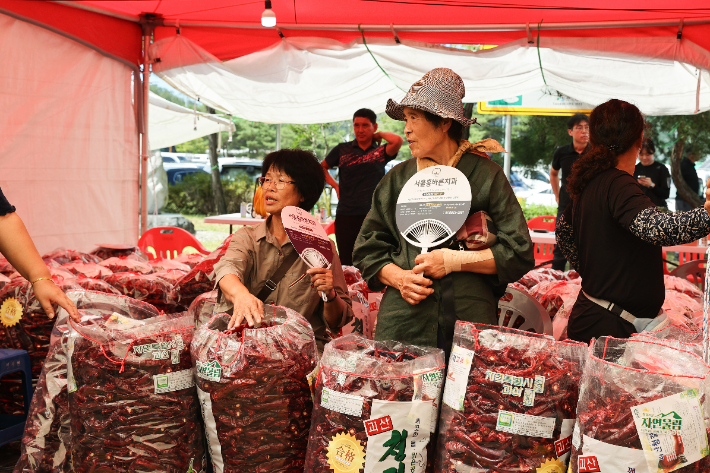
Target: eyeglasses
[582, 128]
[278, 183]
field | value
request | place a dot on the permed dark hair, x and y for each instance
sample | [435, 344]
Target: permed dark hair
[455, 131]
[649, 146]
[366, 113]
[303, 168]
[576, 119]
[614, 127]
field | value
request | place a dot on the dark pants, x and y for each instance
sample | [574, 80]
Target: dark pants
[559, 261]
[347, 228]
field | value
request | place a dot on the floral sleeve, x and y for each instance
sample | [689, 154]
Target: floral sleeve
[668, 229]
[565, 240]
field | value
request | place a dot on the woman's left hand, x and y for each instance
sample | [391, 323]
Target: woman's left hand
[430, 264]
[322, 281]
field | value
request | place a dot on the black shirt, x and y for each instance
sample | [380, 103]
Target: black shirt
[687, 170]
[563, 159]
[5, 207]
[660, 176]
[360, 172]
[615, 265]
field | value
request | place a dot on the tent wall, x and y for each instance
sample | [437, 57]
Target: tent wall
[68, 139]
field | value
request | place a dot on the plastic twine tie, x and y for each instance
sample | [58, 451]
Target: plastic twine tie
[706, 306]
[539, 58]
[364, 41]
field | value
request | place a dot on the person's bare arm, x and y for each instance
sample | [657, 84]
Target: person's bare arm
[555, 183]
[329, 179]
[394, 141]
[414, 288]
[432, 265]
[19, 249]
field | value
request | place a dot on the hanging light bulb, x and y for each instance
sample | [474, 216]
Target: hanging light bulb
[268, 18]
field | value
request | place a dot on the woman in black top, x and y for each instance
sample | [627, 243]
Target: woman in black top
[654, 178]
[613, 234]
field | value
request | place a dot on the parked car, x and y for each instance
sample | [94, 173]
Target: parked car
[176, 171]
[543, 196]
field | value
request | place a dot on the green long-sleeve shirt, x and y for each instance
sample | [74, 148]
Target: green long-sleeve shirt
[476, 295]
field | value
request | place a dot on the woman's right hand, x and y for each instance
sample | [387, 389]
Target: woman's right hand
[246, 306]
[414, 288]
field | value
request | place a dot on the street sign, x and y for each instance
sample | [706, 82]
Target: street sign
[535, 103]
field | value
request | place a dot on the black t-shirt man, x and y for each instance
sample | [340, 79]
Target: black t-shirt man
[362, 166]
[360, 172]
[615, 265]
[661, 179]
[563, 159]
[5, 207]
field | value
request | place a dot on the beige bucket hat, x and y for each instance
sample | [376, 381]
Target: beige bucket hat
[440, 92]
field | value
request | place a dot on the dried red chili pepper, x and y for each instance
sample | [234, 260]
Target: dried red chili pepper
[46, 436]
[202, 308]
[104, 252]
[361, 373]
[127, 263]
[61, 257]
[151, 288]
[162, 264]
[132, 398]
[96, 285]
[494, 374]
[87, 270]
[199, 279]
[254, 392]
[621, 375]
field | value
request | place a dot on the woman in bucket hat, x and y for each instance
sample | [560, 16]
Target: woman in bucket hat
[422, 309]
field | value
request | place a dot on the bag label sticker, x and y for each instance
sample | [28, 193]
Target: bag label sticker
[672, 431]
[209, 370]
[399, 443]
[563, 446]
[347, 404]
[174, 381]
[427, 387]
[523, 424]
[457, 378]
[597, 456]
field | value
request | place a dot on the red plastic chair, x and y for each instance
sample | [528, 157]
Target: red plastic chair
[544, 222]
[330, 228]
[169, 242]
[543, 254]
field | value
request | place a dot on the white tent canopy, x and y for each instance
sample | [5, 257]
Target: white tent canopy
[315, 80]
[171, 124]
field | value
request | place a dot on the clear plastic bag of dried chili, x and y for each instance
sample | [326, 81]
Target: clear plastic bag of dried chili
[509, 402]
[254, 393]
[376, 407]
[132, 395]
[202, 308]
[643, 407]
[46, 438]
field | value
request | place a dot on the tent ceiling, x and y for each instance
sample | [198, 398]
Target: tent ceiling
[229, 29]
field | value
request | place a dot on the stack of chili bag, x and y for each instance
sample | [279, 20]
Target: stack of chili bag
[643, 407]
[510, 401]
[253, 389]
[131, 388]
[376, 407]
